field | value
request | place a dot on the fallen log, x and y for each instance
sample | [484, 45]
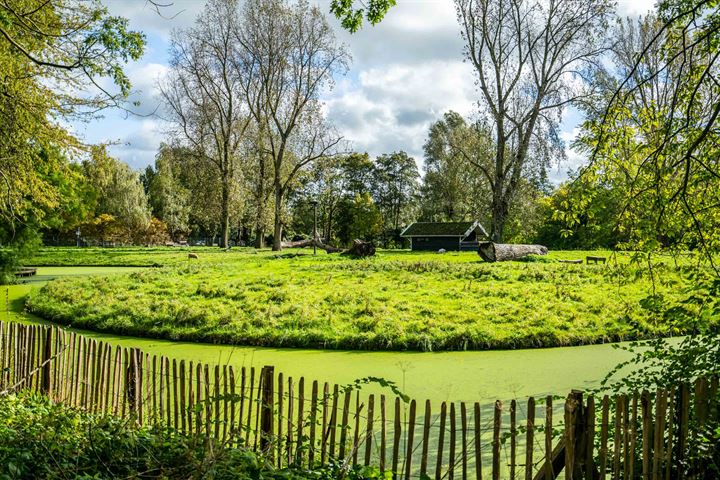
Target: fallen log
[360, 248]
[501, 252]
[309, 243]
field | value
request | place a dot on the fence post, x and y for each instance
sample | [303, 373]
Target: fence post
[266, 409]
[45, 362]
[130, 381]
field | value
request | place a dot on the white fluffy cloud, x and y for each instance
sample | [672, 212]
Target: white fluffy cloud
[407, 71]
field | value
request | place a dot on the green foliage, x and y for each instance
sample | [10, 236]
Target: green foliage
[395, 301]
[53, 55]
[43, 440]
[122, 208]
[351, 16]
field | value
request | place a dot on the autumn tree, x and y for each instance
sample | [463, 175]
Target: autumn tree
[531, 59]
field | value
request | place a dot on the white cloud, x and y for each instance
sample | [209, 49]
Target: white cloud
[391, 108]
[407, 71]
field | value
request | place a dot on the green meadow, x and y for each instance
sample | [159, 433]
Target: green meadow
[397, 300]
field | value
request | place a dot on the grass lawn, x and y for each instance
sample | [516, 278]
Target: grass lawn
[396, 301]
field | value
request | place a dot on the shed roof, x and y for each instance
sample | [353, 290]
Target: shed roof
[441, 229]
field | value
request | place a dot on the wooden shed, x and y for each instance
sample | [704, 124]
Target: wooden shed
[450, 236]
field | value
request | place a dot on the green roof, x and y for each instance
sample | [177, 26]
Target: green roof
[440, 229]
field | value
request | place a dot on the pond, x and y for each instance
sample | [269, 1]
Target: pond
[457, 376]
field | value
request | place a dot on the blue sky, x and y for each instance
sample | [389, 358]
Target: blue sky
[406, 72]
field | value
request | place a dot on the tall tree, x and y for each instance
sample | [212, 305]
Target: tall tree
[289, 54]
[529, 57]
[396, 182]
[449, 190]
[204, 97]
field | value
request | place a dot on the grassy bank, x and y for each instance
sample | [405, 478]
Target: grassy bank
[396, 301]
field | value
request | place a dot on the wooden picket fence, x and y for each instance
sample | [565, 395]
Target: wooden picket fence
[302, 423]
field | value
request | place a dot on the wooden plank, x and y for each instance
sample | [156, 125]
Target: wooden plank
[369, 429]
[161, 391]
[670, 435]
[396, 438]
[513, 438]
[344, 425]
[225, 403]
[258, 408]
[453, 430]
[627, 453]
[77, 379]
[191, 398]
[410, 440]
[549, 474]
[658, 450]
[183, 398]
[280, 419]
[425, 440]
[300, 421]
[356, 430]
[116, 382]
[198, 399]
[324, 432]
[590, 442]
[478, 442]
[291, 401]
[216, 415]
[604, 425]
[701, 401]
[153, 388]
[267, 422]
[107, 405]
[233, 405]
[208, 401]
[683, 425]
[175, 394]
[383, 433]
[529, 438]
[241, 413]
[646, 434]
[633, 433]
[464, 426]
[334, 419]
[617, 438]
[441, 441]
[313, 422]
[97, 387]
[572, 406]
[248, 423]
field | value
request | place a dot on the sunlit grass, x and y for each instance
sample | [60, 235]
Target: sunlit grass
[397, 300]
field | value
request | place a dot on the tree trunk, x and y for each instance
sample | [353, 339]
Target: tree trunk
[500, 252]
[225, 221]
[277, 229]
[259, 236]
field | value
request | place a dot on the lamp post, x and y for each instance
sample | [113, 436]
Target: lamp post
[314, 203]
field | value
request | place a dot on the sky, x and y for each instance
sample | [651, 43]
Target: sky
[406, 72]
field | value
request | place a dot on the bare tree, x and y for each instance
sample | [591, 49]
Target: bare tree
[532, 59]
[289, 56]
[204, 98]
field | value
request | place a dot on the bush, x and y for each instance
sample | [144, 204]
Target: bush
[41, 439]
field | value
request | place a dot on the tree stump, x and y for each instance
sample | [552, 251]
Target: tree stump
[501, 252]
[360, 248]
